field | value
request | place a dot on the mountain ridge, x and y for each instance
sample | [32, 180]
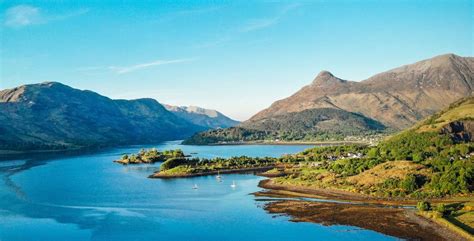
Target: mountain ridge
[52, 115]
[396, 98]
[397, 84]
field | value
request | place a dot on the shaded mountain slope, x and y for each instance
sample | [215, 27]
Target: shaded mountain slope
[55, 116]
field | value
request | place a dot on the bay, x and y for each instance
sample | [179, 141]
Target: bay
[85, 196]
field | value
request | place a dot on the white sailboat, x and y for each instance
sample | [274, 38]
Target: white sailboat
[218, 175]
[195, 186]
[233, 185]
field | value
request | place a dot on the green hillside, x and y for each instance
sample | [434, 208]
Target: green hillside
[458, 111]
[433, 159]
[309, 125]
[428, 160]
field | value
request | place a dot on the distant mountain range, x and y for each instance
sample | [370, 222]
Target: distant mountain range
[52, 115]
[210, 119]
[55, 116]
[331, 107]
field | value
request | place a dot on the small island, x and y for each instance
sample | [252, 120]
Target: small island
[174, 163]
[150, 156]
[183, 167]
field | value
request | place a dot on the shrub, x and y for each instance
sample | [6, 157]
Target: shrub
[423, 206]
[172, 162]
[441, 208]
[409, 184]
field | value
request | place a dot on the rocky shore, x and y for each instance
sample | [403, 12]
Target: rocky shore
[398, 222]
[393, 217]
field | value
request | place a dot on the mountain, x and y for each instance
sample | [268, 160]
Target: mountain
[55, 116]
[312, 124]
[210, 119]
[431, 160]
[396, 99]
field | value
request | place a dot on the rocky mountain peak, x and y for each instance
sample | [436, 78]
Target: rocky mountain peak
[326, 78]
[397, 98]
[448, 56]
[325, 74]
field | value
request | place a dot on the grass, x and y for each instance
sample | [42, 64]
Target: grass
[364, 182]
[463, 111]
[273, 171]
[314, 177]
[393, 169]
[464, 219]
[308, 171]
[177, 170]
[450, 223]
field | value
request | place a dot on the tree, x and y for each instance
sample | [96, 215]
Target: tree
[409, 183]
[171, 163]
[373, 153]
[417, 157]
[423, 206]
[441, 208]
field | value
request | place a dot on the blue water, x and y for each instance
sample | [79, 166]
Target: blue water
[84, 196]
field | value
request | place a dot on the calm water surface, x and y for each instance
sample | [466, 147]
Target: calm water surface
[87, 197]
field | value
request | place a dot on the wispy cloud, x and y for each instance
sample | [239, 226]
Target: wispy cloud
[25, 15]
[251, 25]
[261, 23]
[256, 24]
[22, 15]
[131, 68]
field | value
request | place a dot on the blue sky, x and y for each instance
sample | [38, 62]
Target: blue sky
[234, 56]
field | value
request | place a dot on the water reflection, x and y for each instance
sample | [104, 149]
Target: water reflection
[85, 196]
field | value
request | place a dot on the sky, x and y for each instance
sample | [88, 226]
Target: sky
[237, 57]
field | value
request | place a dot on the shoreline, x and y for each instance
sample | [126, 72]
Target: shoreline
[208, 173]
[449, 230]
[16, 152]
[324, 193]
[393, 221]
[339, 195]
[289, 143]
[87, 148]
